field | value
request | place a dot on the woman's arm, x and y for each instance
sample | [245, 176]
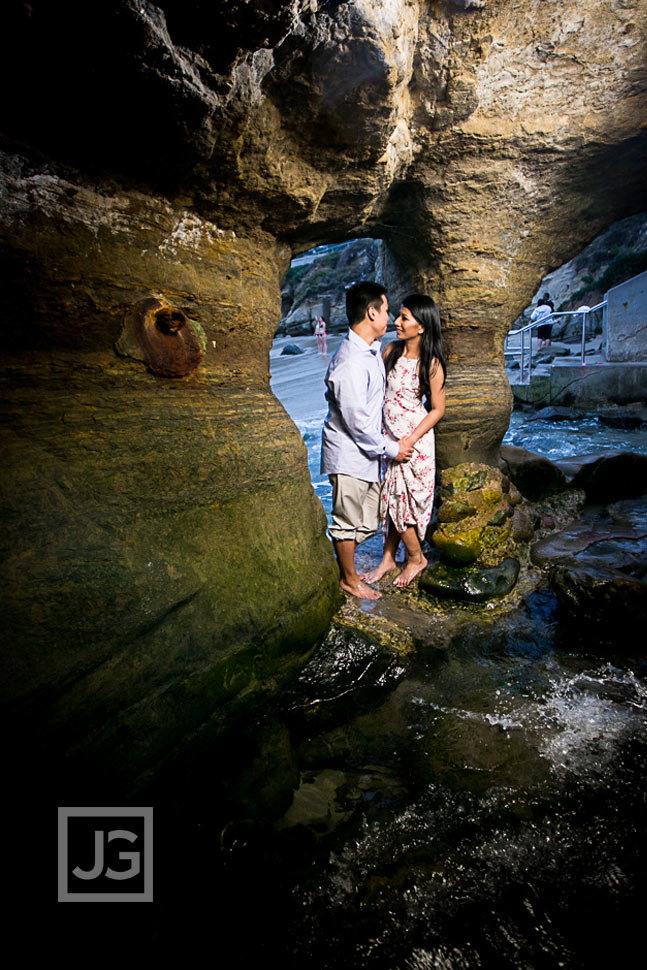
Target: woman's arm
[436, 378]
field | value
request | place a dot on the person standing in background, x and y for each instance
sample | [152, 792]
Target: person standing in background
[320, 334]
[543, 311]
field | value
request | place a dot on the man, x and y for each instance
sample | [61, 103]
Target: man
[543, 312]
[353, 443]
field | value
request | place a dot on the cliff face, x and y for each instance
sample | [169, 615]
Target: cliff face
[159, 527]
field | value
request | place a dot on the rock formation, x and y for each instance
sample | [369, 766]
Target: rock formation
[159, 527]
[614, 256]
[316, 285]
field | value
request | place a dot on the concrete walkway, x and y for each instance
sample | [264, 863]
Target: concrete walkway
[558, 378]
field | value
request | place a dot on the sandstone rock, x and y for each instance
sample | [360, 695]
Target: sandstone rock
[533, 474]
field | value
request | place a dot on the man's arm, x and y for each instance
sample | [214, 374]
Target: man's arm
[350, 396]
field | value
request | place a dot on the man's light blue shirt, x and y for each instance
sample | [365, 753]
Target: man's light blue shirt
[352, 442]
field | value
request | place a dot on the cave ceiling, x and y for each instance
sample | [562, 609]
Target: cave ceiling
[478, 137]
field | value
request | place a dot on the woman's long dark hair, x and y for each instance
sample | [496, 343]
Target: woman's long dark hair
[426, 314]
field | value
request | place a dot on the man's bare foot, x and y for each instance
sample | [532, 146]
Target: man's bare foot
[409, 572]
[384, 567]
[360, 589]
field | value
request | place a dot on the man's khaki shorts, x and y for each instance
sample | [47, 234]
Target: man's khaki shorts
[355, 508]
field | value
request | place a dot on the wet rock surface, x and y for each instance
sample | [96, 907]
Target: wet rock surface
[608, 477]
[472, 585]
[350, 662]
[626, 418]
[534, 475]
[473, 518]
[598, 570]
[554, 414]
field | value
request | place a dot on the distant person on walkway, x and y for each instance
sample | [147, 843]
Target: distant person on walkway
[320, 333]
[543, 310]
[415, 373]
[352, 441]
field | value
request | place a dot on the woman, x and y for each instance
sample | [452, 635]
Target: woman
[320, 333]
[415, 371]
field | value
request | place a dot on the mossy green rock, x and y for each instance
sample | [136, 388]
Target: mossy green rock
[500, 517]
[474, 515]
[454, 510]
[166, 561]
[458, 546]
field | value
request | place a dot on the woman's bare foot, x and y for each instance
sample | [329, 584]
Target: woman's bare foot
[360, 589]
[409, 572]
[387, 564]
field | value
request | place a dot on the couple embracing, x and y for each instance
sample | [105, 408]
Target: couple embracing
[382, 407]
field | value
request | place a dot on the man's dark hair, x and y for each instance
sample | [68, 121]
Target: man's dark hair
[360, 297]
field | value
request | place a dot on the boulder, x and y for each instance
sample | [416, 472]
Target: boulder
[612, 476]
[459, 546]
[348, 663]
[292, 350]
[534, 475]
[555, 414]
[523, 528]
[472, 584]
[474, 515]
[624, 420]
[598, 571]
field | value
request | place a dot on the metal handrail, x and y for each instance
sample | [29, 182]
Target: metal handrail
[538, 323]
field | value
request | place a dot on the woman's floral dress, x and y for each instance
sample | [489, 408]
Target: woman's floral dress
[408, 489]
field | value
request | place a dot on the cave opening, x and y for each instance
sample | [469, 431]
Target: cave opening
[575, 393]
[317, 280]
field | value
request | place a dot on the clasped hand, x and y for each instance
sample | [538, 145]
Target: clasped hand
[406, 449]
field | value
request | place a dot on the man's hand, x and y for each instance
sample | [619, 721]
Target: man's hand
[406, 449]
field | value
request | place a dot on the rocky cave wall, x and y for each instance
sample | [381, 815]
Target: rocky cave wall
[165, 553]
